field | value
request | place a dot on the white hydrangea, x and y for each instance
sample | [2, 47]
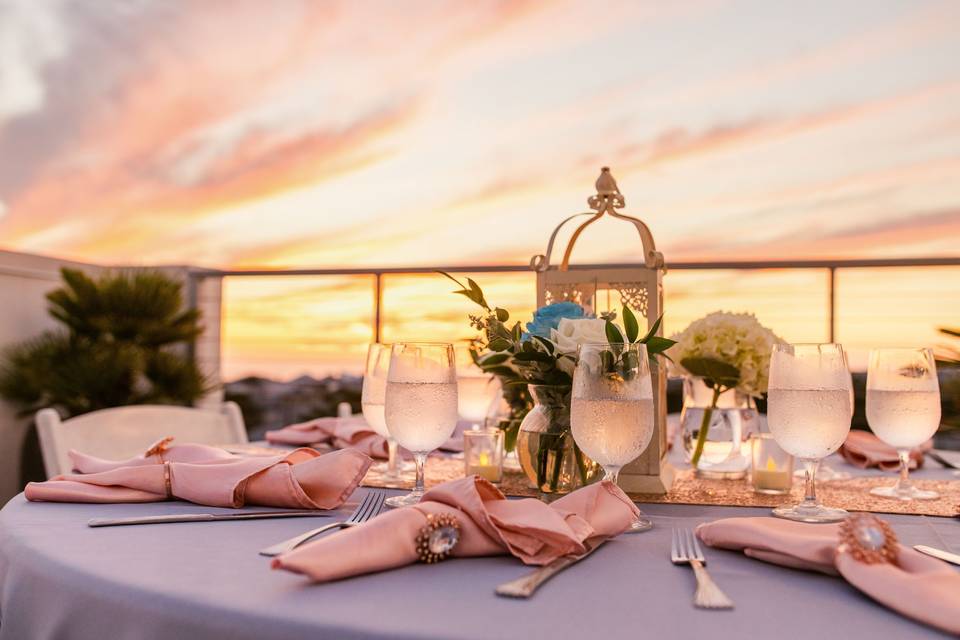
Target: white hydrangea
[737, 339]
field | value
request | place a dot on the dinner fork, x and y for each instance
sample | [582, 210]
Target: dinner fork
[686, 550]
[370, 506]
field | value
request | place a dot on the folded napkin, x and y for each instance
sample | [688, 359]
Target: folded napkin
[919, 587]
[301, 479]
[159, 452]
[533, 531]
[341, 433]
[863, 449]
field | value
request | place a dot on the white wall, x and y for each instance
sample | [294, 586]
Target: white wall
[24, 281]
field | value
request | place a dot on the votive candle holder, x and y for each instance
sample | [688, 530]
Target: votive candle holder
[771, 470]
[483, 453]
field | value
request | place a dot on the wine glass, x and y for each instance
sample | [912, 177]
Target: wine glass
[903, 409]
[420, 403]
[611, 415]
[809, 414]
[372, 402]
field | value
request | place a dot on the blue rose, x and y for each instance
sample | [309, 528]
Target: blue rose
[548, 317]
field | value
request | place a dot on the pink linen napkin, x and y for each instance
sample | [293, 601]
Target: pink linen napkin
[341, 433]
[919, 587]
[301, 479]
[863, 449]
[533, 531]
[159, 452]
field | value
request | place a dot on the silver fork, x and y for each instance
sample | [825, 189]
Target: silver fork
[686, 550]
[370, 506]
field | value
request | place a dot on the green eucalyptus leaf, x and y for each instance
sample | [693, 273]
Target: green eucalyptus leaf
[656, 344]
[715, 373]
[501, 371]
[499, 344]
[546, 344]
[606, 361]
[502, 314]
[630, 324]
[613, 333]
[493, 359]
[517, 332]
[653, 329]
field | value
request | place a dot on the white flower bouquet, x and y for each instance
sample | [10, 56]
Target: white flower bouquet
[728, 351]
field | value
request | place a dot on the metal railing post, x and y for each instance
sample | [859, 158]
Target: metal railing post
[377, 303]
[832, 308]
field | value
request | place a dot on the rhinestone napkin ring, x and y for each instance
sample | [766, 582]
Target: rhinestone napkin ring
[868, 539]
[437, 538]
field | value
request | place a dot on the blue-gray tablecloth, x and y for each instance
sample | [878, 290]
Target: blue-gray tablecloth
[60, 579]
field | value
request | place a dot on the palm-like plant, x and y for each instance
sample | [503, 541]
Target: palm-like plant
[122, 343]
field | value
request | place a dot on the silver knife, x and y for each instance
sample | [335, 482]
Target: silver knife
[204, 517]
[526, 586]
[940, 554]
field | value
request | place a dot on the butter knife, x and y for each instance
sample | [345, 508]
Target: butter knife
[940, 554]
[204, 517]
[526, 586]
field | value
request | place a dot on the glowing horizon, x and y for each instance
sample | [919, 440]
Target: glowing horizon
[354, 134]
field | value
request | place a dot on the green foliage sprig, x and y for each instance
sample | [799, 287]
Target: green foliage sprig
[620, 363]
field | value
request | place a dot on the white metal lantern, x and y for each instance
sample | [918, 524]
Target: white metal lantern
[639, 287]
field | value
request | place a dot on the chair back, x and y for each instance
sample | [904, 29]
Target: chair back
[123, 432]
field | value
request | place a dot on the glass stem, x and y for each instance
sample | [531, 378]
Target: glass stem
[393, 460]
[903, 484]
[611, 474]
[421, 460]
[810, 489]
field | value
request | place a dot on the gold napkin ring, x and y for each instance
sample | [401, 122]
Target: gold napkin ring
[437, 538]
[868, 539]
[167, 484]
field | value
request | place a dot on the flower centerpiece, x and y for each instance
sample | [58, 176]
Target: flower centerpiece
[726, 354]
[539, 358]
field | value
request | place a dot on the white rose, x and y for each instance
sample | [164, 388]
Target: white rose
[571, 333]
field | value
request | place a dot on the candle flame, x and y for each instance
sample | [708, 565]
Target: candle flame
[771, 465]
[484, 459]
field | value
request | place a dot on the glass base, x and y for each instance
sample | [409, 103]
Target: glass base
[404, 501]
[719, 474]
[640, 525]
[904, 493]
[812, 514]
[406, 468]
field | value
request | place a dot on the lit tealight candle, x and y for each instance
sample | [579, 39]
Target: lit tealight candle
[483, 453]
[772, 470]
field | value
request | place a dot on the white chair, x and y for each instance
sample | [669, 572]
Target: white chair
[123, 432]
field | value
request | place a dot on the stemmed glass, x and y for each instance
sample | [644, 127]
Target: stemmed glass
[611, 415]
[903, 409]
[809, 413]
[372, 399]
[420, 403]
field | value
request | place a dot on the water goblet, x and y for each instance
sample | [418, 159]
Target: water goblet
[372, 399]
[809, 413]
[903, 409]
[420, 403]
[611, 414]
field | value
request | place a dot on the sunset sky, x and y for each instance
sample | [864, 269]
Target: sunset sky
[286, 133]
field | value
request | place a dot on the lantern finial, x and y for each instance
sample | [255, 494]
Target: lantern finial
[608, 194]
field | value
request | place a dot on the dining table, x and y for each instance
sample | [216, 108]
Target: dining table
[61, 579]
